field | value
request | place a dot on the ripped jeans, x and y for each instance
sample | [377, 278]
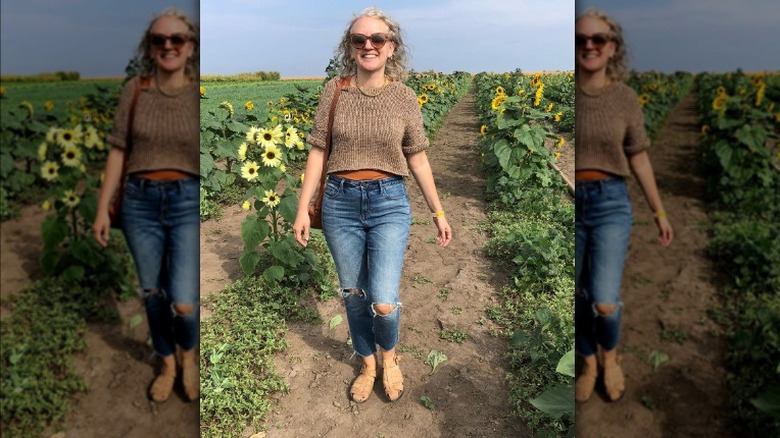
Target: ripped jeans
[602, 229]
[366, 225]
[161, 223]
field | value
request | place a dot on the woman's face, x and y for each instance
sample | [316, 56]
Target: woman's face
[594, 45]
[171, 46]
[370, 58]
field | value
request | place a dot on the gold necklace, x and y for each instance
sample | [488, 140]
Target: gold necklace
[176, 91]
[375, 93]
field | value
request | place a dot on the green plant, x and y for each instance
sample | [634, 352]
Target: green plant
[427, 402]
[453, 335]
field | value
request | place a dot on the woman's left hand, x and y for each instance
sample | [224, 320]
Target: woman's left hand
[665, 233]
[445, 232]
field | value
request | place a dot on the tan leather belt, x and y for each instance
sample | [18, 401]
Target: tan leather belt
[591, 175]
[363, 174]
[163, 175]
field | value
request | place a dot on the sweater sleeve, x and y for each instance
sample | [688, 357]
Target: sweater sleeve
[118, 136]
[317, 137]
[415, 139]
[636, 139]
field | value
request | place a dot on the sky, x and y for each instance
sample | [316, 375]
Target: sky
[298, 37]
[697, 35]
[97, 38]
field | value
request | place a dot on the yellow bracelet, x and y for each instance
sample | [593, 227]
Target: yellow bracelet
[438, 214]
[660, 215]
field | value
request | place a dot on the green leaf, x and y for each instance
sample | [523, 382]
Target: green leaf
[49, 261]
[253, 231]
[723, 151]
[503, 152]
[73, 273]
[556, 401]
[657, 358]
[53, 231]
[752, 136]
[288, 208]
[136, 320]
[769, 401]
[336, 320]
[274, 273]
[248, 261]
[566, 364]
[427, 402]
[435, 358]
[206, 164]
[283, 251]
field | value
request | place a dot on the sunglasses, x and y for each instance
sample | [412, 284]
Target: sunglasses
[378, 40]
[177, 40]
[599, 40]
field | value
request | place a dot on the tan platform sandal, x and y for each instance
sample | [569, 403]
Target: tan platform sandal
[392, 379]
[586, 382]
[363, 385]
[190, 379]
[163, 385]
[614, 380]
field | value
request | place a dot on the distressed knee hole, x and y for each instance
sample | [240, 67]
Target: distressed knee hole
[605, 309]
[183, 309]
[384, 309]
[353, 291]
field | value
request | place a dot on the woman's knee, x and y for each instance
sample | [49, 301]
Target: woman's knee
[384, 309]
[183, 309]
[605, 309]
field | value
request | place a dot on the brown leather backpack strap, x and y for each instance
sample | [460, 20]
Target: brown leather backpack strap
[343, 83]
[143, 82]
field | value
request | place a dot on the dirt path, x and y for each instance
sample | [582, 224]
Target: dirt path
[666, 295]
[117, 364]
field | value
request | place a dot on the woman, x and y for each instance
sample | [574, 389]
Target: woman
[611, 143]
[160, 208]
[377, 134]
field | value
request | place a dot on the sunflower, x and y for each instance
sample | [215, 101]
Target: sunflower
[49, 170]
[202, 91]
[48, 105]
[721, 90]
[270, 137]
[70, 198]
[252, 134]
[271, 199]
[68, 137]
[500, 90]
[561, 142]
[538, 95]
[719, 101]
[483, 129]
[520, 91]
[271, 156]
[52, 134]
[42, 151]
[242, 151]
[283, 168]
[249, 105]
[558, 116]
[643, 99]
[537, 80]
[291, 137]
[422, 98]
[71, 156]
[497, 101]
[27, 106]
[229, 107]
[760, 93]
[249, 171]
[246, 205]
[91, 138]
[46, 205]
[549, 107]
[557, 155]
[705, 129]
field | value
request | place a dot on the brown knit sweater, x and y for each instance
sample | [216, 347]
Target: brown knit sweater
[609, 128]
[166, 129]
[370, 132]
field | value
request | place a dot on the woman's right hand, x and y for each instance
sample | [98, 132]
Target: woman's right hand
[101, 228]
[301, 227]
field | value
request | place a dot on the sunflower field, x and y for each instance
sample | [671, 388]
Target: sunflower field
[525, 119]
[740, 133]
[658, 94]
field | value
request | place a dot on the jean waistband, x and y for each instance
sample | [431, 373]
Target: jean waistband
[345, 182]
[600, 182]
[143, 182]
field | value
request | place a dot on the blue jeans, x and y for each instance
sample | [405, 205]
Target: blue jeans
[602, 229]
[366, 225]
[161, 223]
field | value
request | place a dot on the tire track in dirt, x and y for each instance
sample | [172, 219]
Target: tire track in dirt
[468, 390]
[666, 293]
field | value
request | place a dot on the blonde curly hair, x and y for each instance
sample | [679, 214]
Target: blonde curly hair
[144, 50]
[617, 66]
[397, 65]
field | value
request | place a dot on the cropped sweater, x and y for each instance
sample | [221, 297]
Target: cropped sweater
[166, 129]
[370, 132]
[609, 128]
